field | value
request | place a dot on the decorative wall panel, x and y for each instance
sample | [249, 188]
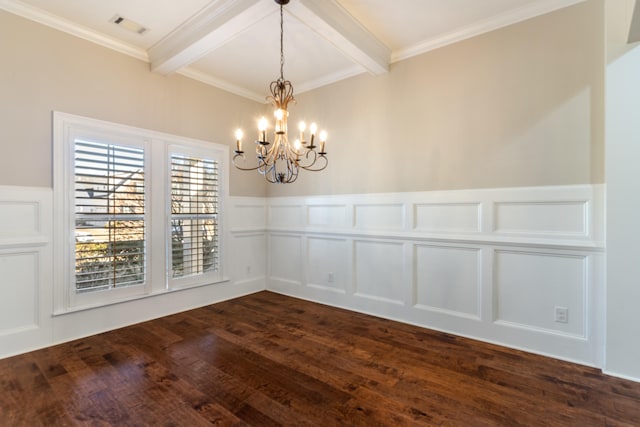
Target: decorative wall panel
[248, 216]
[530, 285]
[286, 216]
[19, 218]
[448, 280]
[379, 216]
[377, 265]
[286, 258]
[19, 290]
[559, 218]
[448, 217]
[328, 215]
[328, 261]
[248, 257]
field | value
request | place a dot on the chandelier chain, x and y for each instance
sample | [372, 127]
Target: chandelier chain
[281, 44]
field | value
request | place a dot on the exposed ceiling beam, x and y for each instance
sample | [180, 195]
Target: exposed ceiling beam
[206, 31]
[634, 30]
[332, 22]
[224, 20]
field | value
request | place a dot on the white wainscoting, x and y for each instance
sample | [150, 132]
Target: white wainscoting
[25, 268]
[27, 321]
[488, 264]
[491, 264]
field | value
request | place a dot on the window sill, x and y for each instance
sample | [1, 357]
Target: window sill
[79, 308]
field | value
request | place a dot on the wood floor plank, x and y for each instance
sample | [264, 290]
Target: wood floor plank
[270, 360]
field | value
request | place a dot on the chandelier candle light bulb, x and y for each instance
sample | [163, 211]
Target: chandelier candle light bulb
[302, 126]
[239, 140]
[312, 129]
[262, 129]
[323, 138]
[280, 123]
[280, 161]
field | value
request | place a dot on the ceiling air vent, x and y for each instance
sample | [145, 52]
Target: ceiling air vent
[128, 24]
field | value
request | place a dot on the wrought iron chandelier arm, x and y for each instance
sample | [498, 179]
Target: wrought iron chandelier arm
[317, 158]
[235, 163]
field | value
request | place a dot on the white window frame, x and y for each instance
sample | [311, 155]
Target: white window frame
[158, 146]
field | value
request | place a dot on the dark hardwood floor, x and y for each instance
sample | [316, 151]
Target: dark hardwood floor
[266, 359]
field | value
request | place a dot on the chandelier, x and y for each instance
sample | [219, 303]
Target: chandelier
[281, 161]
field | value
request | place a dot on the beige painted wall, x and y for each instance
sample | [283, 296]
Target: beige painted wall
[520, 106]
[44, 70]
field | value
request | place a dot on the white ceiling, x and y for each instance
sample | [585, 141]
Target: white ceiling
[234, 44]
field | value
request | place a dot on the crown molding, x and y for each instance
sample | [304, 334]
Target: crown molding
[329, 79]
[496, 22]
[40, 16]
[208, 79]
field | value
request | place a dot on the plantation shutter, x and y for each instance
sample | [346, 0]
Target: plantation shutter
[109, 215]
[194, 216]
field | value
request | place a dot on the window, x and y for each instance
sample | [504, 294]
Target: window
[109, 206]
[121, 235]
[194, 210]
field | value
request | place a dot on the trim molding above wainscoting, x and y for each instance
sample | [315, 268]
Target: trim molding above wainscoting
[520, 267]
[558, 216]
